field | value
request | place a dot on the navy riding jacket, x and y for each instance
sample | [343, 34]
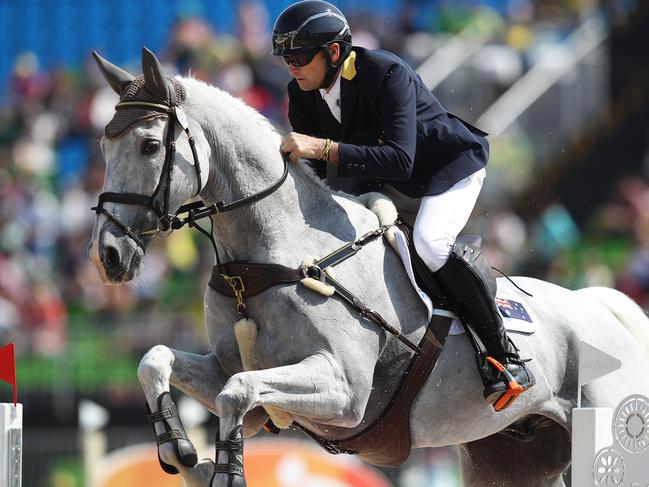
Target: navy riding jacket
[393, 129]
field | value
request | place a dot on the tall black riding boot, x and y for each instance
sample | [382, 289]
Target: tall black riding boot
[503, 373]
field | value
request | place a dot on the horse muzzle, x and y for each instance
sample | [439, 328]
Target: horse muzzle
[117, 258]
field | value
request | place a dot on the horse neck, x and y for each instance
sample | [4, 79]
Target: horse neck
[245, 160]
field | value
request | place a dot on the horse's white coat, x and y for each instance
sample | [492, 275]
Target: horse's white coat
[333, 371]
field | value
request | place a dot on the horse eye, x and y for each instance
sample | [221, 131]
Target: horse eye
[150, 147]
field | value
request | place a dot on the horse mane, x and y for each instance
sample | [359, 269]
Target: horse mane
[201, 95]
[226, 101]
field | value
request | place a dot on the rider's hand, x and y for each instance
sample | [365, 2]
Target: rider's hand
[300, 145]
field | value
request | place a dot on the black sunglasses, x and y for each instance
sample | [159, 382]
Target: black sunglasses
[301, 59]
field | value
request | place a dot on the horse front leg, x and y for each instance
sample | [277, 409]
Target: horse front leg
[316, 388]
[199, 376]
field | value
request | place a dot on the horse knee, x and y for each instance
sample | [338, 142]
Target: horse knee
[237, 395]
[347, 409]
[155, 364]
[348, 415]
[346, 396]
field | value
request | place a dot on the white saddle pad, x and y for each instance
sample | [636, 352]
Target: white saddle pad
[517, 315]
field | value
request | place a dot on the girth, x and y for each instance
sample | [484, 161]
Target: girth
[386, 442]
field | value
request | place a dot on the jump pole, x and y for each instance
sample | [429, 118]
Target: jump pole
[11, 444]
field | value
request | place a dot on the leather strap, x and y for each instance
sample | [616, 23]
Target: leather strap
[228, 468]
[240, 279]
[223, 207]
[229, 445]
[169, 436]
[386, 442]
[349, 250]
[202, 211]
[366, 312]
[255, 277]
[163, 415]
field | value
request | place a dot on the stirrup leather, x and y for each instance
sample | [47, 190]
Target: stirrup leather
[514, 389]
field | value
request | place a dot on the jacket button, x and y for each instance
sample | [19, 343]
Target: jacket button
[362, 166]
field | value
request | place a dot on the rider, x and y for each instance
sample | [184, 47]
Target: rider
[367, 120]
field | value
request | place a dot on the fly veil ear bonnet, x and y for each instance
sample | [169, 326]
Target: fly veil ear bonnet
[150, 95]
[149, 88]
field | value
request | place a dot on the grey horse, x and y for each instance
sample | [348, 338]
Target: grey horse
[312, 359]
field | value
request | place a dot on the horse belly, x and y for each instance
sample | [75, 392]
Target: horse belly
[450, 408]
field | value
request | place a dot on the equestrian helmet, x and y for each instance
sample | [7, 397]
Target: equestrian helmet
[308, 25]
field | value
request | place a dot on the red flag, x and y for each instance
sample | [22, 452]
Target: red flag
[8, 367]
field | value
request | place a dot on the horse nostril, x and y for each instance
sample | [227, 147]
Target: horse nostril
[111, 257]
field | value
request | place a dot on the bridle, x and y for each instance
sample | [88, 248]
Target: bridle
[160, 204]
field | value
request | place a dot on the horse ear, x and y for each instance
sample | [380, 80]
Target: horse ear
[155, 80]
[117, 78]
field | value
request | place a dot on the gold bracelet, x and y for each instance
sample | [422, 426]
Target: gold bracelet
[325, 152]
[327, 149]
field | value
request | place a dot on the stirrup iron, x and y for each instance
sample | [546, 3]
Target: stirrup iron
[514, 389]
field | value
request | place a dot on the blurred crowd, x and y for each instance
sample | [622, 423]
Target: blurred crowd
[51, 170]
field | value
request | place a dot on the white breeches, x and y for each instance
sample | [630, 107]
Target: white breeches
[441, 218]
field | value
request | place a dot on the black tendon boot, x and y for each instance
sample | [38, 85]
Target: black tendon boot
[234, 448]
[503, 373]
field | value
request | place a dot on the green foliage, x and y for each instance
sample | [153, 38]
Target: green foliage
[65, 472]
[95, 360]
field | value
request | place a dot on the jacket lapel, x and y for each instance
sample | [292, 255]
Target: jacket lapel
[348, 92]
[330, 123]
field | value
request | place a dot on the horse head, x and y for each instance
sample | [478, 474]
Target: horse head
[151, 167]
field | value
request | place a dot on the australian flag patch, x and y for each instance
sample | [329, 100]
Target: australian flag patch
[513, 309]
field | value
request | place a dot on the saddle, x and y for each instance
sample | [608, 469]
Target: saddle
[426, 279]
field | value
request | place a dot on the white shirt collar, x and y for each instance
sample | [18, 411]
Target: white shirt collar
[334, 92]
[332, 98]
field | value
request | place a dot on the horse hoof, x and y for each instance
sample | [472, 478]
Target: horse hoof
[167, 468]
